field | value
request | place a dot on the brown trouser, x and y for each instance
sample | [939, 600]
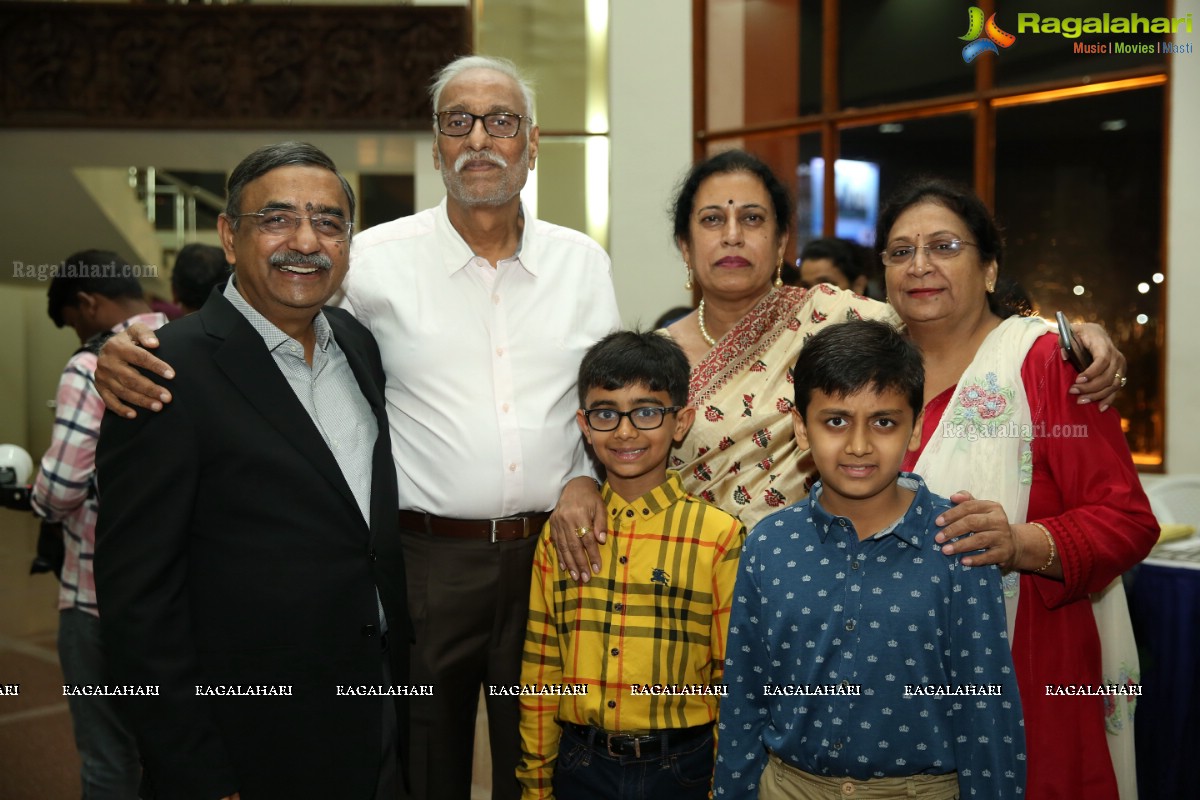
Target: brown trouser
[783, 782]
[469, 602]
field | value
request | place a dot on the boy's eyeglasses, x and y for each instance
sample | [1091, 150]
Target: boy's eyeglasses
[646, 418]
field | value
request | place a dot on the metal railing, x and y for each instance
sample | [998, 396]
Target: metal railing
[151, 183]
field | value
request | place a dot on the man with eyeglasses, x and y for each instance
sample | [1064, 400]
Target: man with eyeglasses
[482, 314]
[248, 555]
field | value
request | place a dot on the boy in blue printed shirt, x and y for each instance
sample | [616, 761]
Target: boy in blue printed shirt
[861, 661]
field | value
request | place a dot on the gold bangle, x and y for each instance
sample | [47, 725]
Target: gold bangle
[1053, 549]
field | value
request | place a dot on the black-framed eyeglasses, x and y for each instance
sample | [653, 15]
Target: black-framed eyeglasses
[500, 125]
[284, 222]
[646, 418]
[899, 255]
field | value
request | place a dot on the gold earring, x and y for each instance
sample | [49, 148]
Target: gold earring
[991, 287]
[688, 283]
[779, 274]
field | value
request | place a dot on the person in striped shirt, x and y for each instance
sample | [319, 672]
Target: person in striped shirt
[621, 675]
[96, 293]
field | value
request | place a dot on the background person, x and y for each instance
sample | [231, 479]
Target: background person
[843, 263]
[199, 268]
[1063, 515]
[97, 294]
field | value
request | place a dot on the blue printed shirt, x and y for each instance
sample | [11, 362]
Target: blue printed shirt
[872, 659]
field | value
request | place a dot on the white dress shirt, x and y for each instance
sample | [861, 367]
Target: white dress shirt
[481, 362]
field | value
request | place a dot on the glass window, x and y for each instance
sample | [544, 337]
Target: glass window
[1049, 56]
[1072, 183]
[891, 52]
[941, 146]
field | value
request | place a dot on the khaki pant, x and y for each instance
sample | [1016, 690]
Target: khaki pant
[783, 782]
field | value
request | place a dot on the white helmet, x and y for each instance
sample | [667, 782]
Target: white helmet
[15, 465]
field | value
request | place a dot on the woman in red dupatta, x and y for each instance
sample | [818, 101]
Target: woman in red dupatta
[1063, 512]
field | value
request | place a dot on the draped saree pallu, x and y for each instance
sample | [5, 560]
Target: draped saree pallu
[741, 455]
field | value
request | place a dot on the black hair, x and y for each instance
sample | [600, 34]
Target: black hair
[730, 161]
[975, 215]
[198, 268]
[842, 253]
[626, 358]
[846, 357]
[273, 156]
[101, 272]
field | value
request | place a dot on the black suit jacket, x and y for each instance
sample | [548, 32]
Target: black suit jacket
[231, 552]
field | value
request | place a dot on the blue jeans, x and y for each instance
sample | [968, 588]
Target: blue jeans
[585, 770]
[111, 769]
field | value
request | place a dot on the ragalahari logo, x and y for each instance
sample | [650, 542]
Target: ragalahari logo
[991, 32]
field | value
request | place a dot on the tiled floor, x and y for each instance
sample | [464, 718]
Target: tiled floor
[37, 751]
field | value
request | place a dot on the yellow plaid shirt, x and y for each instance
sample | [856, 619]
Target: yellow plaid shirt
[654, 617]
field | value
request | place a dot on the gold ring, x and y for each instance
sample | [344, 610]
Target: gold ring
[582, 532]
[1120, 379]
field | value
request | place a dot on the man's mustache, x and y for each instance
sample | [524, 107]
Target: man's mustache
[291, 257]
[479, 155]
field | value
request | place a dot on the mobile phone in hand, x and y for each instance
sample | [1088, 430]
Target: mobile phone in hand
[1077, 354]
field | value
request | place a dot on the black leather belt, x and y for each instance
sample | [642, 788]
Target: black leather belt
[639, 745]
[507, 529]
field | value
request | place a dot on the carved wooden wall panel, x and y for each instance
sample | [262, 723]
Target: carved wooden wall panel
[244, 66]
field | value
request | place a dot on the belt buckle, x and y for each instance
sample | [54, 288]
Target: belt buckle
[637, 746]
[524, 526]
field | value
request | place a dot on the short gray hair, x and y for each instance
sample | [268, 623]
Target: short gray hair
[273, 156]
[494, 63]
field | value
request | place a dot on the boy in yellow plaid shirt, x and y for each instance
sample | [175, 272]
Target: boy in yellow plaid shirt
[621, 675]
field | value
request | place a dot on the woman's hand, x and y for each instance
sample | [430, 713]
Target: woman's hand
[979, 525]
[1102, 380]
[579, 508]
[117, 380]
[983, 525]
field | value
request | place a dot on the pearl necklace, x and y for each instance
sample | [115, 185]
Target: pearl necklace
[703, 329]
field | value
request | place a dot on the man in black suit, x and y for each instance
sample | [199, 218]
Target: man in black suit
[248, 553]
